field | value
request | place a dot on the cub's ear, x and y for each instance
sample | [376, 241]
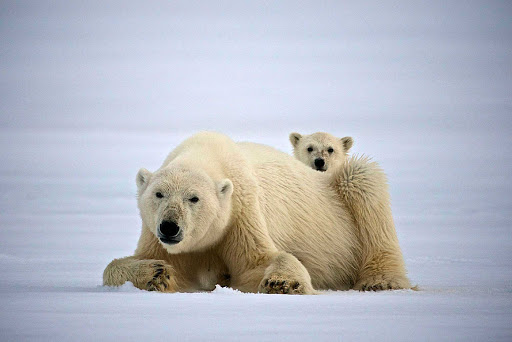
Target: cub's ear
[295, 138]
[347, 143]
[142, 179]
[225, 188]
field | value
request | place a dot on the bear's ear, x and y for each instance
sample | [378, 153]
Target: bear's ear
[347, 143]
[225, 188]
[142, 179]
[295, 138]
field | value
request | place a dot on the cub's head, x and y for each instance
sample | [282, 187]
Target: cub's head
[186, 209]
[320, 151]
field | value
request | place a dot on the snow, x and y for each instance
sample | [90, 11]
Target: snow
[90, 92]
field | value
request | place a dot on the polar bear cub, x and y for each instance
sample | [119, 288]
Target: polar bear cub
[321, 151]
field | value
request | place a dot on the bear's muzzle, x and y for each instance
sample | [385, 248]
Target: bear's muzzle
[169, 232]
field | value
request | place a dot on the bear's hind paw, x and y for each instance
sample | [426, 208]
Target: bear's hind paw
[381, 284]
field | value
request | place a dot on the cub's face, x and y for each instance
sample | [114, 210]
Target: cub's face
[320, 151]
[185, 209]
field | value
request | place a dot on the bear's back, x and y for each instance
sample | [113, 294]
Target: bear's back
[304, 215]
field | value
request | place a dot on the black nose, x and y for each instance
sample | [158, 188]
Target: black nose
[169, 229]
[319, 162]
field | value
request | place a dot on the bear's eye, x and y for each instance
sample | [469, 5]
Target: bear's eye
[330, 150]
[310, 149]
[159, 195]
[194, 199]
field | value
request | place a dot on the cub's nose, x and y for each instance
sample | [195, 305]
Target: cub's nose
[319, 163]
[169, 229]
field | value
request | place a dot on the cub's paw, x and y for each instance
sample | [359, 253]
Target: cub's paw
[279, 285]
[380, 283]
[155, 275]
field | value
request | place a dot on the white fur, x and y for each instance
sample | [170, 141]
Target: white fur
[308, 148]
[264, 222]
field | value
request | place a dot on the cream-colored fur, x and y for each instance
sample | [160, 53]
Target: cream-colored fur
[263, 222]
[362, 185]
[320, 151]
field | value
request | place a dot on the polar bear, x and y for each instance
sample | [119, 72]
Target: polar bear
[248, 216]
[320, 150]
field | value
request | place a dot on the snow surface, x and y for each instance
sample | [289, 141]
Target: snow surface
[92, 91]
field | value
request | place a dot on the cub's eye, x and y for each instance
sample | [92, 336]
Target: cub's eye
[159, 195]
[310, 149]
[330, 150]
[194, 199]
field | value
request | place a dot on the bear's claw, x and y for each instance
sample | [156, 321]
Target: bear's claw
[377, 287]
[380, 283]
[160, 280]
[281, 286]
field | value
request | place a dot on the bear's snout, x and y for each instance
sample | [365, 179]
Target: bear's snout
[319, 163]
[169, 232]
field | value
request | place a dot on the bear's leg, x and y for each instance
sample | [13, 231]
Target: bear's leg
[253, 260]
[382, 271]
[363, 187]
[286, 275]
[145, 274]
[266, 270]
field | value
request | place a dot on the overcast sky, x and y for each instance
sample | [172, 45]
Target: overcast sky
[189, 65]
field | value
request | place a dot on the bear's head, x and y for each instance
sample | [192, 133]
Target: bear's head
[186, 209]
[320, 151]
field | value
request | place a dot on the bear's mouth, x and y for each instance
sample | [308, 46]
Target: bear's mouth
[171, 241]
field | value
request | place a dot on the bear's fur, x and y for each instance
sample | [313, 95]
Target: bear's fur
[320, 151]
[253, 218]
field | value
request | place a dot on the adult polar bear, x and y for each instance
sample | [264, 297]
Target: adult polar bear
[258, 220]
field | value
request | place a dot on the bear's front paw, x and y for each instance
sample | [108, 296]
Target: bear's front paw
[380, 283]
[279, 285]
[155, 275]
